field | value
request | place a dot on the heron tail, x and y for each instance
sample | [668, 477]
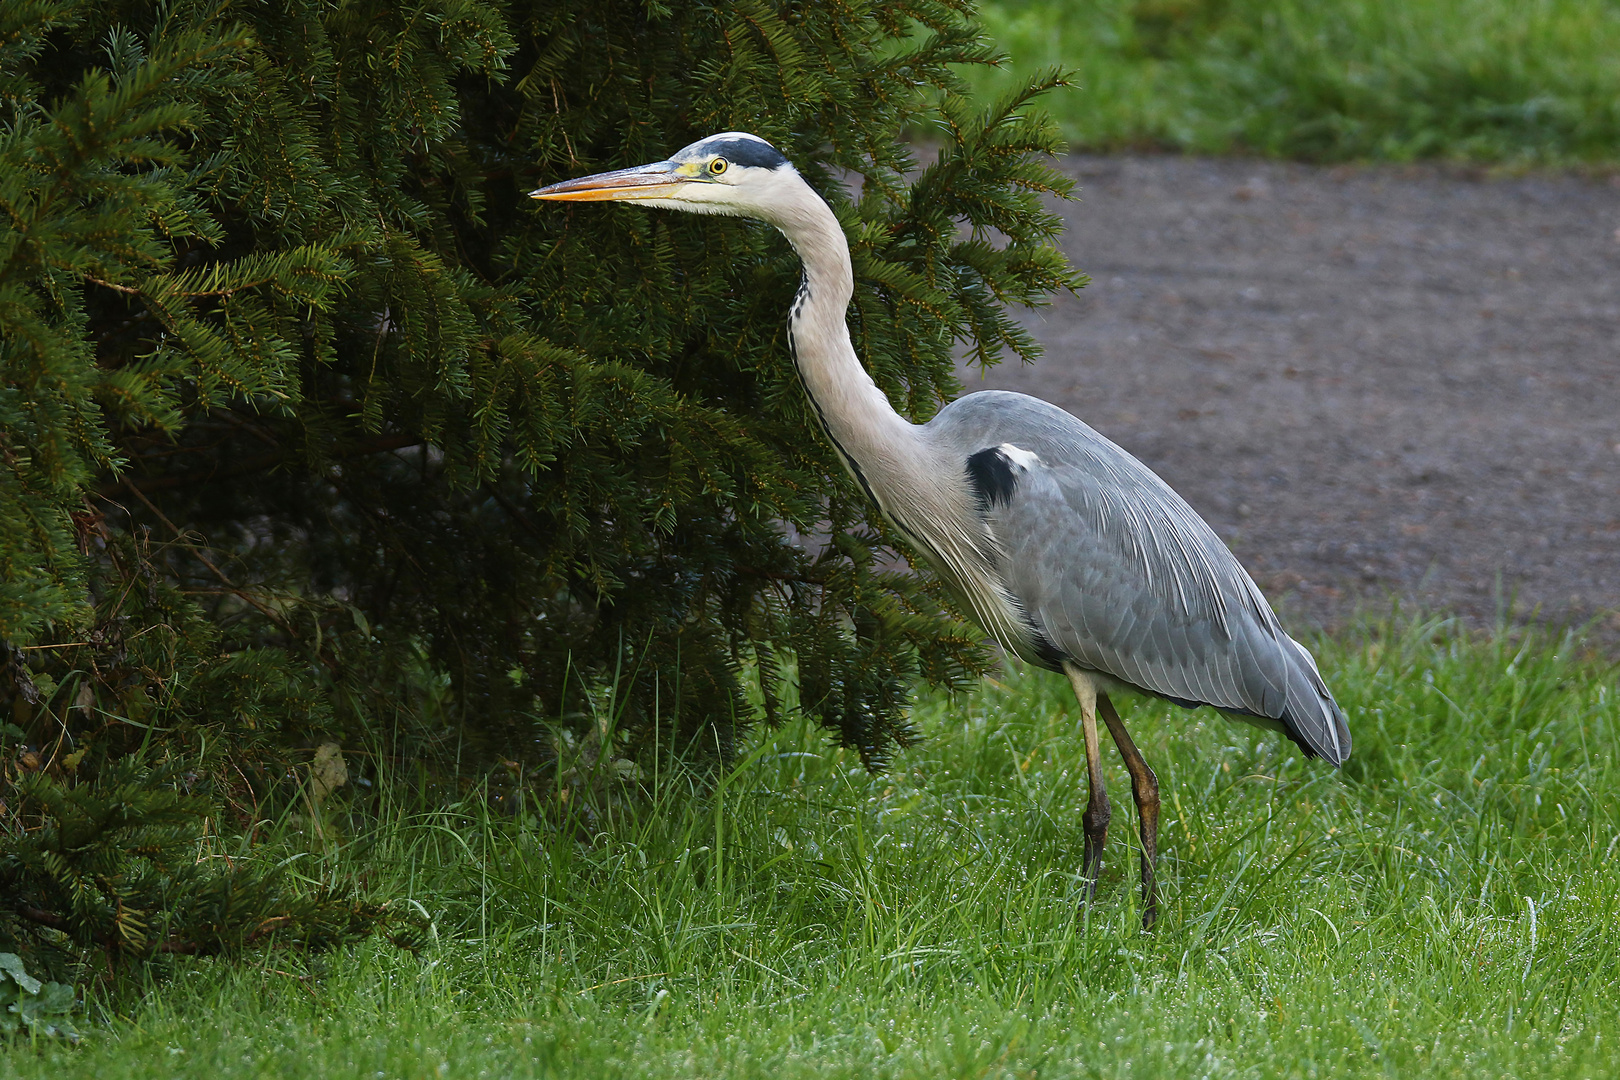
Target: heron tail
[1313, 719]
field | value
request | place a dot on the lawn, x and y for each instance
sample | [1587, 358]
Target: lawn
[1444, 906]
[1511, 81]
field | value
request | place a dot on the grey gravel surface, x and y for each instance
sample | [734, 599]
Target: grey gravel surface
[1371, 381]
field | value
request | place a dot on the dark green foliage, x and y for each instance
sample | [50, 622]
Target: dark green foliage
[117, 865]
[313, 427]
[274, 279]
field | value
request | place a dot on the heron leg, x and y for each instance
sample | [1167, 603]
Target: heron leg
[1097, 810]
[1145, 787]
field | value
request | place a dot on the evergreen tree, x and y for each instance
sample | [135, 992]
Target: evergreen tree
[313, 427]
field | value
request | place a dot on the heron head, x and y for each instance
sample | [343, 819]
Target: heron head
[732, 173]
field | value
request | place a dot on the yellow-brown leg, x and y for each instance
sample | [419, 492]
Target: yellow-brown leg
[1145, 787]
[1097, 810]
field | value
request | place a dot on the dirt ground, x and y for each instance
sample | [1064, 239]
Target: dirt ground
[1370, 381]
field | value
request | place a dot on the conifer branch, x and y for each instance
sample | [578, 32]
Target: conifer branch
[125, 289]
[202, 557]
[258, 463]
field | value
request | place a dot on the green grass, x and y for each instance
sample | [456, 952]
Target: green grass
[1444, 906]
[1512, 81]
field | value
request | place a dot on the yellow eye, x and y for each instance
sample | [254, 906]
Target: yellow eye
[718, 166]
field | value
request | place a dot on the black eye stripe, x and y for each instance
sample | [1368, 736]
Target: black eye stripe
[760, 155]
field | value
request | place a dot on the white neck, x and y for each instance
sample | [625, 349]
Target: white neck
[880, 447]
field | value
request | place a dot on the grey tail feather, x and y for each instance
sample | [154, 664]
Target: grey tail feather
[1313, 718]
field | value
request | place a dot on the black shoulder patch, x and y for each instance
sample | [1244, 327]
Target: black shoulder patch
[992, 476]
[755, 152]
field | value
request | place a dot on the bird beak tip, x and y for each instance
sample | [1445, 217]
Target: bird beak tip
[644, 183]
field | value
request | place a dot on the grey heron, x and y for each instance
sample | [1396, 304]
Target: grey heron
[1068, 551]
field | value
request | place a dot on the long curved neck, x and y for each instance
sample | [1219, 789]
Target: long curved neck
[879, 446]
[919, 487]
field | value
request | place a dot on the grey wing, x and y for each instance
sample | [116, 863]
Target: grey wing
[1121, 576]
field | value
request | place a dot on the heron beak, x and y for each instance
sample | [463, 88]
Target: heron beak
[656, 181]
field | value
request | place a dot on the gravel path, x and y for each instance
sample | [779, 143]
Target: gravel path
[1369, 380]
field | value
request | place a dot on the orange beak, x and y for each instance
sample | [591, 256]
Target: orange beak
[656, 181]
